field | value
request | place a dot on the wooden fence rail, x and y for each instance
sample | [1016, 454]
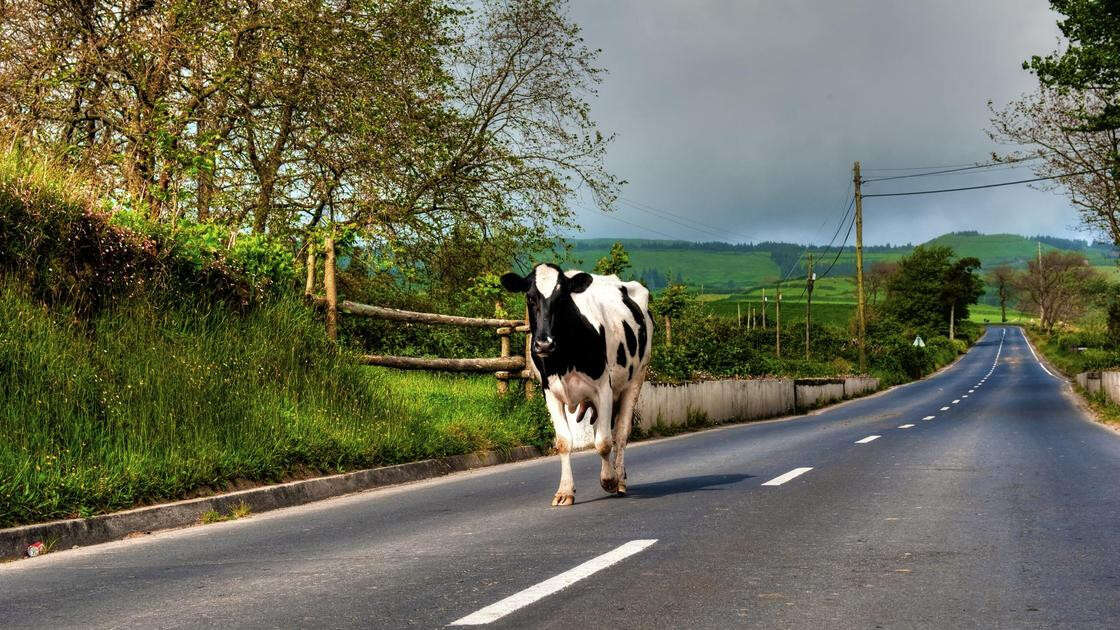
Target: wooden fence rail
[504, 367]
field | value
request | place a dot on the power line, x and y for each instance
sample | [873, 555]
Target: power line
[842, 246]
[640, 205]
[951, 166]
[1014, 164]
[648, 229]
[671, 220]
[943, 190]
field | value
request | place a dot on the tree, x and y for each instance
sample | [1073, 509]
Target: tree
[616, 262]
[1003, 279]
[1059, 287]
[877, 276]
[1071, 124]
[930, 289]
[960, 286]
[671, 303]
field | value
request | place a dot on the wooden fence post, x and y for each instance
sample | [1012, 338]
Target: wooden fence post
[530, 385]
[503, 377]
[331, 290]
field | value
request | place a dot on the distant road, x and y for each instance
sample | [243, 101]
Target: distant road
[978, 498]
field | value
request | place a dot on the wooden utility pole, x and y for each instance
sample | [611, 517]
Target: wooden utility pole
[738, 315]
[764, 309]
[809, 278]
[860, 308]
[778, 322]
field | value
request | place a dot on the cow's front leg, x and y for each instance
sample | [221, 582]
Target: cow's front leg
[566, 493]
[603, 442]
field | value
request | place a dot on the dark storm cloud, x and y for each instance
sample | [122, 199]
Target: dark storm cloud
[747, 115]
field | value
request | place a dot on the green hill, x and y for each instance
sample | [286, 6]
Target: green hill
[745, 269]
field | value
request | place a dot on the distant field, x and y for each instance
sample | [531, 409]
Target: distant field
[988, 314]
[718, 268]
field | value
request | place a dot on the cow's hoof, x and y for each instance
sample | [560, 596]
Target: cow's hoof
[609, 485]
[621, 489]
[562, 499]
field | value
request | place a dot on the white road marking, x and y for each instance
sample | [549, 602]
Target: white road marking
[944, 409]
[971, 390]
[870, 438]
[1031, 347]
[929, 417]
[957, 400]
[496, 611]
[780, 479]
[905, 426]
[964, 395]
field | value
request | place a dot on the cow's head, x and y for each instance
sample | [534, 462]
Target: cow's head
[548, 293]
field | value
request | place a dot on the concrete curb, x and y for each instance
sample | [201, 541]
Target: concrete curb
[106, 527]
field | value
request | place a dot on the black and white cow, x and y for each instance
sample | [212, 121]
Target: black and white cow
[592, 336]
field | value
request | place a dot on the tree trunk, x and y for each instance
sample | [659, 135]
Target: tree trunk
[668, 331]
[1003, 310]
[952, 319]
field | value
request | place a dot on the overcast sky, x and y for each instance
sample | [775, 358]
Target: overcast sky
[746, 116]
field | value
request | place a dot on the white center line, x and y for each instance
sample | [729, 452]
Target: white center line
[957, 400]
[944, 409]
[929, 417]
[905, 426]
[780, 479]
[964, 395]
[496, 611]
[870, 438]
[971, 390]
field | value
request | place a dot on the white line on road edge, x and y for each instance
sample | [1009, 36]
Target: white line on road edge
[1031, 348]
[905, 426]
[870, 438]
[929, 417]
[944, 409]
[496, 611]
[780, 479]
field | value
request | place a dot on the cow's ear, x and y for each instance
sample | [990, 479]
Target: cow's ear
[515, 283]
[579, 282]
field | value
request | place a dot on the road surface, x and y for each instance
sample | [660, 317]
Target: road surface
[987, 500]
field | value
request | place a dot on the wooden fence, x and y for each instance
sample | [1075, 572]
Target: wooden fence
[505, 366]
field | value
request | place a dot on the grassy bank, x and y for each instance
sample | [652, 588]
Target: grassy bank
[144, 404]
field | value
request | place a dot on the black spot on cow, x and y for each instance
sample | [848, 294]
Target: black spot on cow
[639, 318]
[631, 371]
[631, 340]
[620, 357]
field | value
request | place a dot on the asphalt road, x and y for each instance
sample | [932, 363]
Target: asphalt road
[1003, 510]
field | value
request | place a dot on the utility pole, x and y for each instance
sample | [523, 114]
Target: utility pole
[856, 181]
[809, 278]
[738, 316]
[764, 309]
[778, 322]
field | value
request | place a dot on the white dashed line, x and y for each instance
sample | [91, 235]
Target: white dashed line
[870, 438]
[780, 479]
[964, 395]
[944, 409]
[929, 417]
[552, 585]
[956, 401]
[971, 390]
[905, 426]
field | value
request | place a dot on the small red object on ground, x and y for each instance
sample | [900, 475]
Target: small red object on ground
[34, 549]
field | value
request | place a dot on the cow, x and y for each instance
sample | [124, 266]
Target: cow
[591, 342]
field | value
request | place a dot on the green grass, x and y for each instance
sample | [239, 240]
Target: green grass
[793, 312]
[712, 270]
[144, 404]
[989, 314]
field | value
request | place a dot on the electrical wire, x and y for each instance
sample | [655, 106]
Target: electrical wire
[1014, 164]
[943, 190]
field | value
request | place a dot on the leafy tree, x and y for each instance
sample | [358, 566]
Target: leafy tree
[877, 277]
[930, 289]
[1059, 287]
[616, 262]
[1071, 124]
[1003, 279]
[961, 286]
[670, 304]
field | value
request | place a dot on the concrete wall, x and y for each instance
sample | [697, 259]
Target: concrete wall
[738, 400]
[810, 393]
[1107, 382]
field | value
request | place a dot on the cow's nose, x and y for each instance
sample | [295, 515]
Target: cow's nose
[543, 346]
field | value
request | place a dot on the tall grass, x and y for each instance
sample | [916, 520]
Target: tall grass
[145, 403]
